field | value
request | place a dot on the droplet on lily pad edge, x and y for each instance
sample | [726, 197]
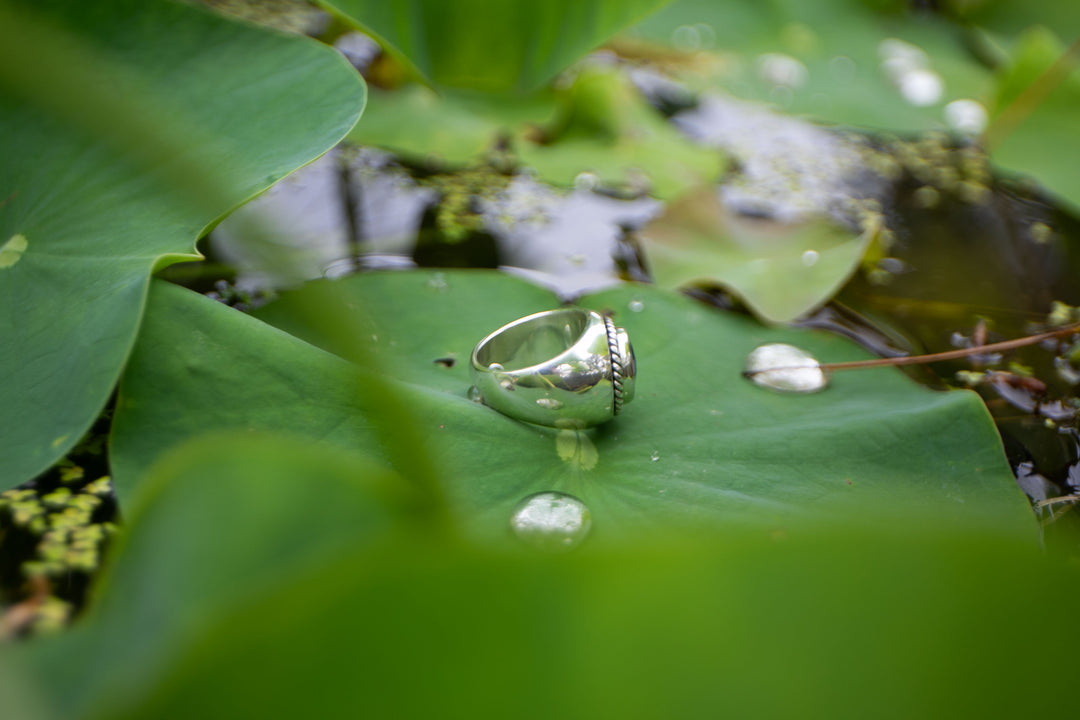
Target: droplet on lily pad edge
[785, 368]
[551, 521]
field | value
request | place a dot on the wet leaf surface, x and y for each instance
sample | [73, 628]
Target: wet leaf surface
[94, 221]
[780, 270]
[699, 445]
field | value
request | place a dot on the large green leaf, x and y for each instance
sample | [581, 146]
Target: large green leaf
[838, 46]
[1035, 113]
[263, 577]
[605, 127]
[112, 117]
[222, 522]
[492, 46]
[453, 127]
[839, 621]
[599, 124]
[781, 270]
[699, 445]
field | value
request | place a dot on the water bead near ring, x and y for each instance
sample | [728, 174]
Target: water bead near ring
[786, 368]
[551, 521]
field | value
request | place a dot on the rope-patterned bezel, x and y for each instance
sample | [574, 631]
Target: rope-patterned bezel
[618, 367]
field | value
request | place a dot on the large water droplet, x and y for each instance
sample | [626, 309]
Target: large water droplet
[586, 181]
[782, 70]
[475, 395]
[551, 521]
[783, 367]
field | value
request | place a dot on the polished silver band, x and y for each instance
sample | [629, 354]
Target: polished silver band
[567, 368]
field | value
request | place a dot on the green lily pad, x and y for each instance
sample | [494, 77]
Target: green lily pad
[454, 127]
[699, 445]
[1031, 136]
[110, 124]
[263, 576]
[493, 47]
[599, 124]
[605, 127]
[824, 58]
[779, 270]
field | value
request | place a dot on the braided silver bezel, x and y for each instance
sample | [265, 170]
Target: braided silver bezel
[618, 366]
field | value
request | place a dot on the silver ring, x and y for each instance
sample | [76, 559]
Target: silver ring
[568, 368]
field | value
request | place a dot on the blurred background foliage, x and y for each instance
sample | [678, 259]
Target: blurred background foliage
[314, 516]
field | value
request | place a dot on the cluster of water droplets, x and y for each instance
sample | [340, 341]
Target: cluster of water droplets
[908, 68]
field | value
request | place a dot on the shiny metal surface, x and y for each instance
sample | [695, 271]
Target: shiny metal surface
[568, 368]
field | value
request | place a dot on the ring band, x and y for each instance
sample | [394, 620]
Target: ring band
[567, 368]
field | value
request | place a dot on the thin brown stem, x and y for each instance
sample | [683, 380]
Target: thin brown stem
[952, 354]
[938, 357]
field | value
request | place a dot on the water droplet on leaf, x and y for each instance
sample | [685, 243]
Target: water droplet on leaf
[783, 367]
[782, 70]
[551, 521]
[686, 38]
[966, 116]
[921, 87]
[586, 181]
[475, 395]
